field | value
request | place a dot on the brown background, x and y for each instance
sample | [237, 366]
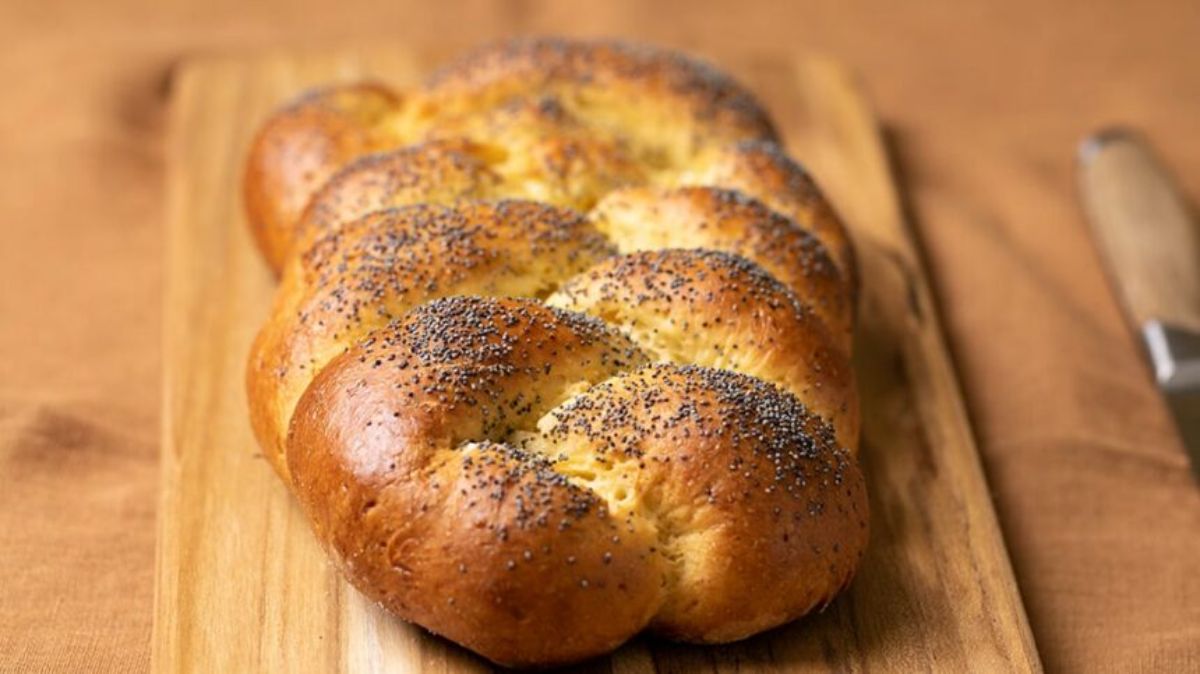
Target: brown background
[985, 103]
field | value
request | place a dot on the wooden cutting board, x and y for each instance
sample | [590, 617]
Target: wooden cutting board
[242, 586]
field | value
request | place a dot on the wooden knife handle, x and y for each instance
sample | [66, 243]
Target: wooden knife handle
[1145, 229]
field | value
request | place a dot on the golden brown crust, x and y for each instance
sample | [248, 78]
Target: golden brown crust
[540, 483]
[544, 151]
[378, 267]
[675, 102]
[299, 148]
[748, 490]
[719, 310]
[439, 172]
[430, 511]
[762, 170]
[707, 217]
[661, 495]
[561, 122]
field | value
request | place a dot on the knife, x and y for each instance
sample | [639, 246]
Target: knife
[1151, 243]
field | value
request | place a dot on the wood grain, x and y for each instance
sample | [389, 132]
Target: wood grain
[1147, 233]
[242, 586]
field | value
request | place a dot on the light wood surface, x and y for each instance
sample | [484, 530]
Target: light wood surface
[243, 586]
[1147, 233]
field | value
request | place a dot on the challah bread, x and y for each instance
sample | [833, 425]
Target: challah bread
[719, 310]
[762, 170]
[301, 148]
[720, 219]
[585, 110]
[560, 351]
[662, 105]
[378, 267]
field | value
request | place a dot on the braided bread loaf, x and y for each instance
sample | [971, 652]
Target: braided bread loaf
[560, 351]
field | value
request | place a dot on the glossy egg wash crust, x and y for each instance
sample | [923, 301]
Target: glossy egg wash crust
[560, 351]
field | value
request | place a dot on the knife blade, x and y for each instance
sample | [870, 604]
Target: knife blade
[1151, 243]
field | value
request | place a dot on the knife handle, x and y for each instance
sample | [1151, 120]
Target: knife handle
[1146, 230]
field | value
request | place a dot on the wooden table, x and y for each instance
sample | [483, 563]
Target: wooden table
[985, 104]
